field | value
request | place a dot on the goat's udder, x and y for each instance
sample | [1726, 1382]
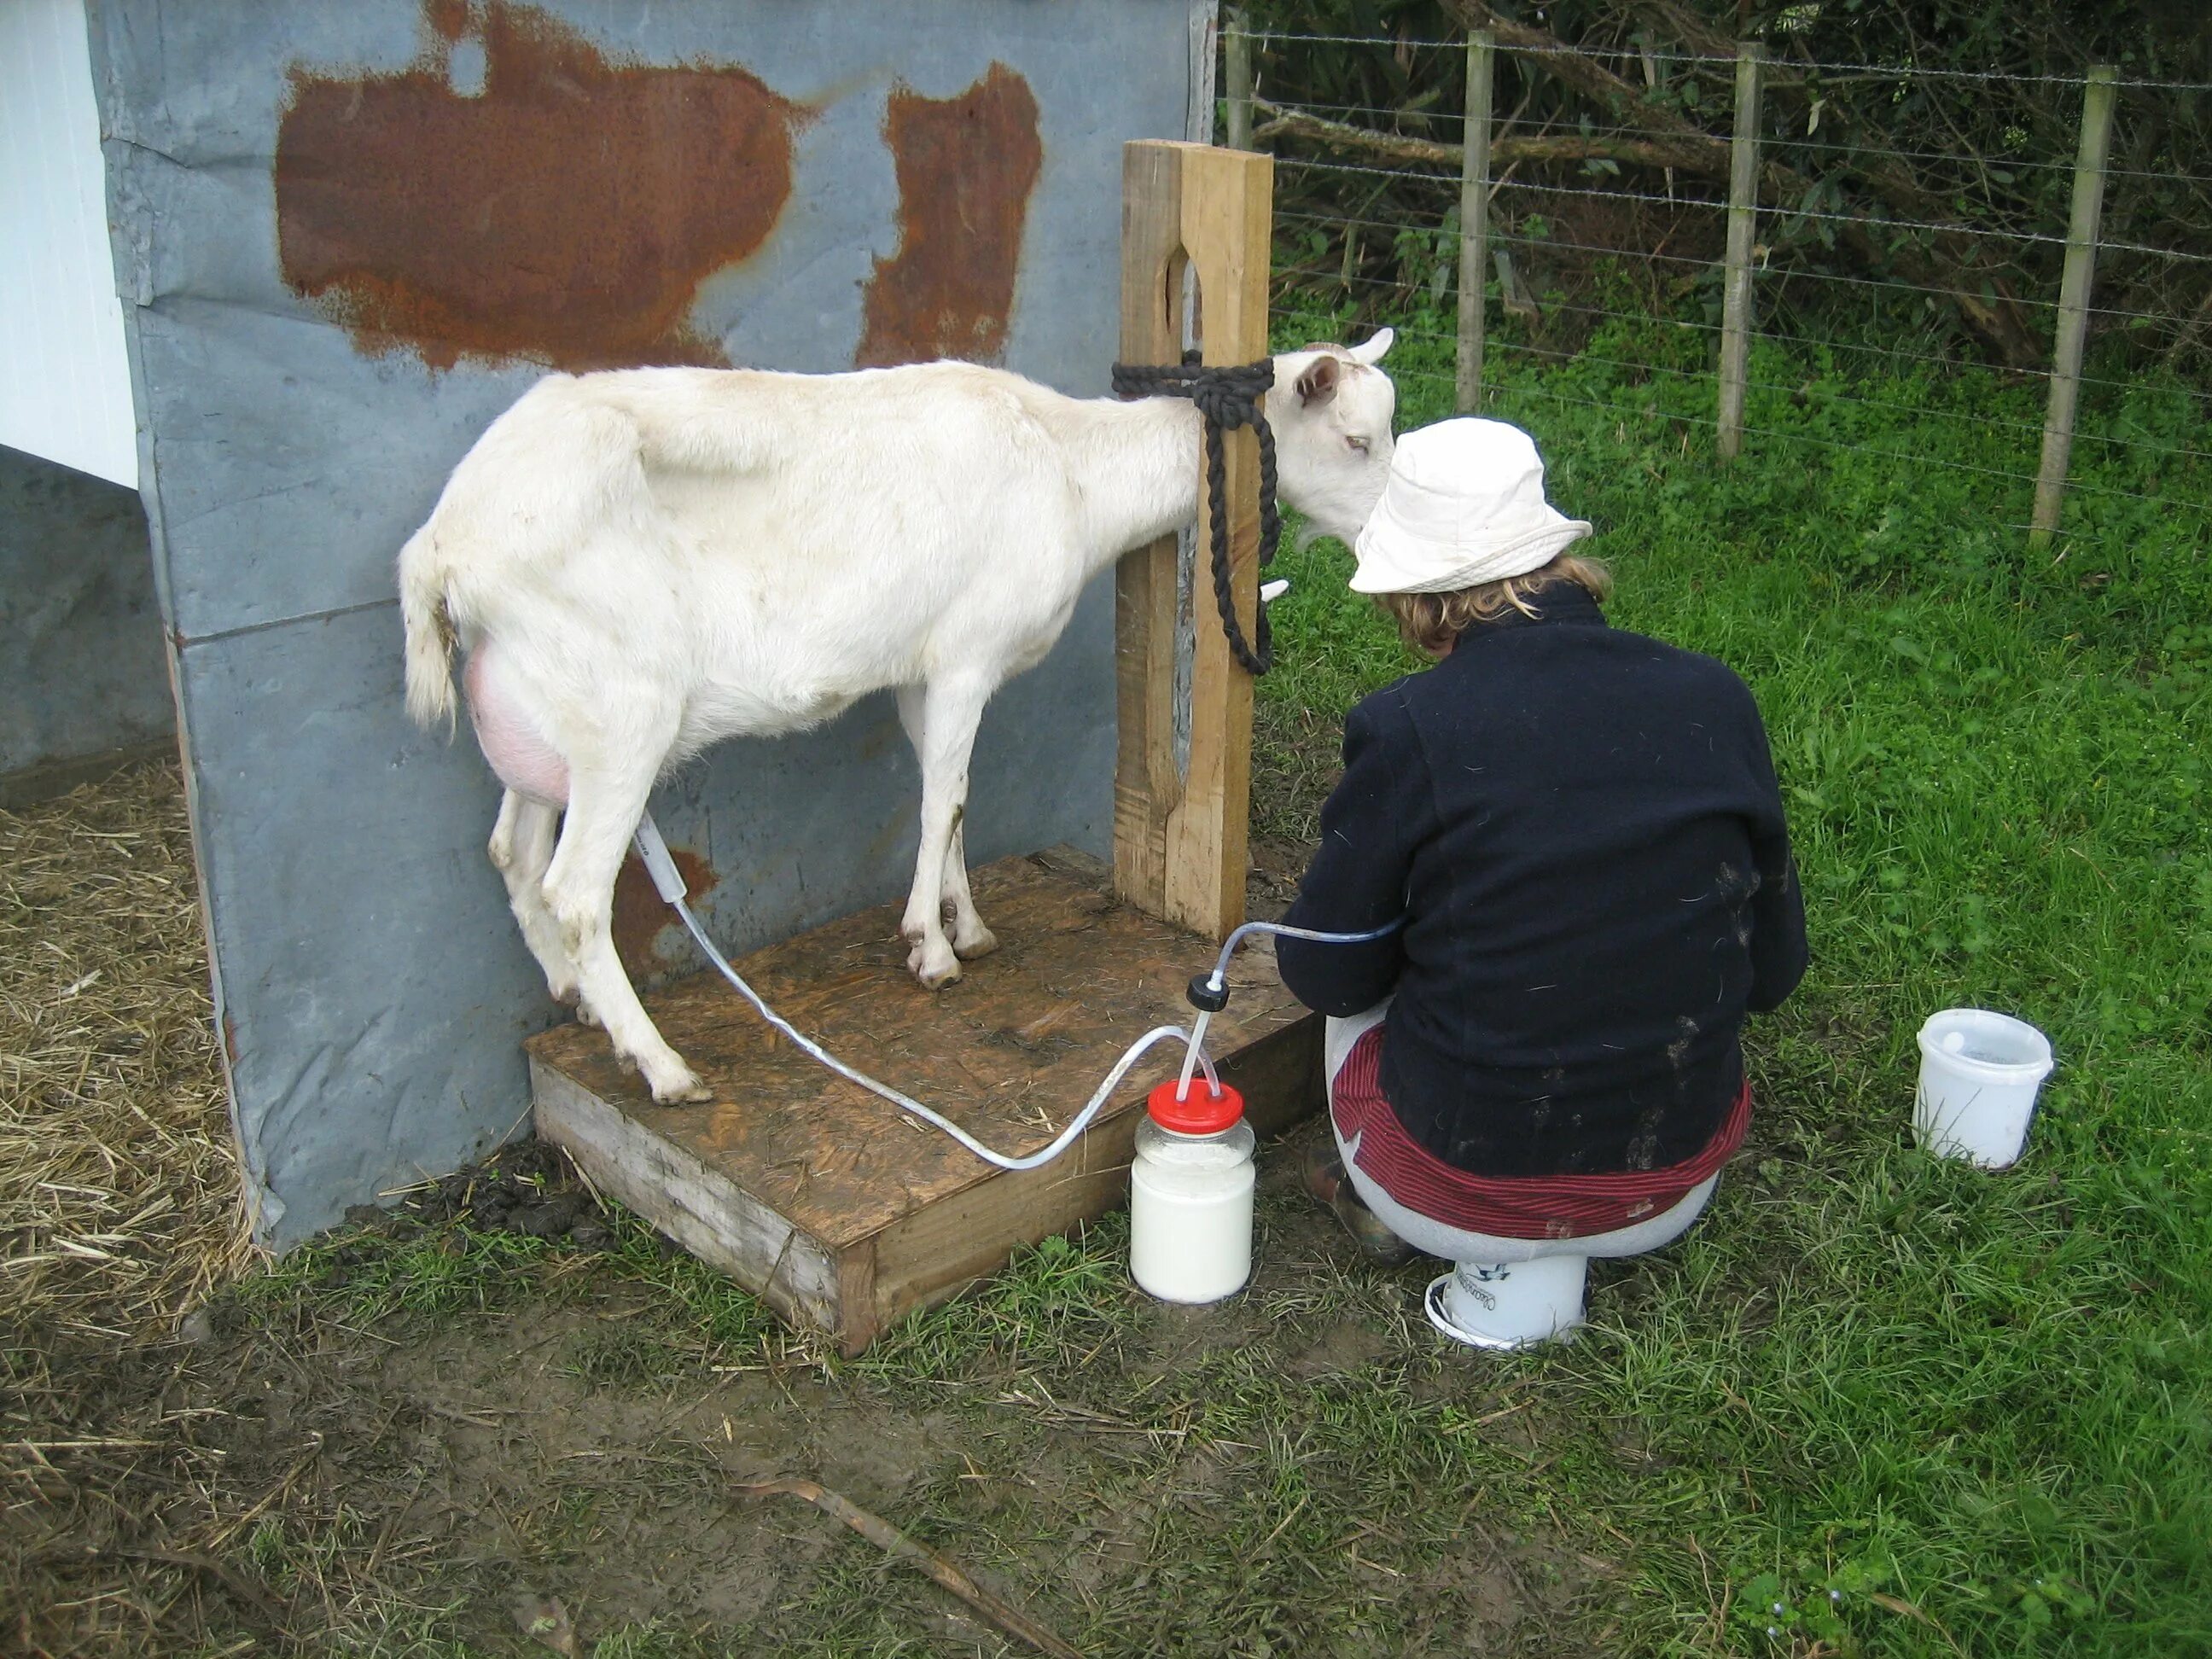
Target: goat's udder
[513, 744]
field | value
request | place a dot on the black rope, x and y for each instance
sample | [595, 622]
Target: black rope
[1227, 398]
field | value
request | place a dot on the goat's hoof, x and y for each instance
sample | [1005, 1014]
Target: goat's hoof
[934, 965]
[681, 1087]
[584, 1014]
[980, 943]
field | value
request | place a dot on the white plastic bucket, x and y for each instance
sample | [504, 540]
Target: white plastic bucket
[1515, 1305]
[1979, 1073]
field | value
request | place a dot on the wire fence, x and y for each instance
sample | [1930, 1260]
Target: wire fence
[1608, 238]
[1887, 72]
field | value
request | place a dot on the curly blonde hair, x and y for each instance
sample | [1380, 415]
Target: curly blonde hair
[1431, 623]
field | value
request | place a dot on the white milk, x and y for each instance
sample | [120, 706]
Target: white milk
[1190, 1212]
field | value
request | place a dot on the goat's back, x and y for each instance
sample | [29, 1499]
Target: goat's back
[827, 533]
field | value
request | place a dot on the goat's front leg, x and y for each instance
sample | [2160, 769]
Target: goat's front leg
[951, 709]
[606, 798]
[955, 904]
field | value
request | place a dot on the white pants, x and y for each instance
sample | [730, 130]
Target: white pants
[1440, 1239]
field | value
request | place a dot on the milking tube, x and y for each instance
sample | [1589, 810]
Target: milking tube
[1209, 995]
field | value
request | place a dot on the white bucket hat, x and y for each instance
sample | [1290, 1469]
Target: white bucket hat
[1464, 504]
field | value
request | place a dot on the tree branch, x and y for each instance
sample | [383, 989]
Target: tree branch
[1999, 324]
[1708, 160]
[888, 1539]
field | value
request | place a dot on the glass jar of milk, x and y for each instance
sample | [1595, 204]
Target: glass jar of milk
[1190, 1194]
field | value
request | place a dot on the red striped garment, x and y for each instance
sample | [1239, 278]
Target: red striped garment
[1553, 1206]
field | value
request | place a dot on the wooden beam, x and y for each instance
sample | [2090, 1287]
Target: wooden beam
[1742, 225]
[1237, 77]
[1474, 218]
[2074, 285]
[1180, 832]
[1147, 781]
[1228, 214]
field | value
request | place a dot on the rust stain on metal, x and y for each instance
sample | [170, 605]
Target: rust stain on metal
[966, 166]
[449, 19]
[567, 212]
[640, 913]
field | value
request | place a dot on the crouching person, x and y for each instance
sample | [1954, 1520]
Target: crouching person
[1581, 829]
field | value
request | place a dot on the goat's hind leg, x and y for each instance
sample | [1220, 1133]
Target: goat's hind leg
[606, 798]
[521, 847]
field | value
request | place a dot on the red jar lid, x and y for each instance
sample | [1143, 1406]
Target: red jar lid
[1201, 1112]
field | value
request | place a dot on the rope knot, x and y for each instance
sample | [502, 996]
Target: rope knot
[1226, 398]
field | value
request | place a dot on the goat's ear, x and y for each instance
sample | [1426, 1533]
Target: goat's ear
[1370, 352]
[1318, 384]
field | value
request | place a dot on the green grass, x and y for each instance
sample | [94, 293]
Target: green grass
[405, 1280]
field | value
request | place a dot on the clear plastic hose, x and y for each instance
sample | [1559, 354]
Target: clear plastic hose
[670, 885]
[1228, 945]
[1220, 980]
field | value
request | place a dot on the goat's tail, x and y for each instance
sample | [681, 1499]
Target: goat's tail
[430, 629]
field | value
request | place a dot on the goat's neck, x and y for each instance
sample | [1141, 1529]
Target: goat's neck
[1136, 467]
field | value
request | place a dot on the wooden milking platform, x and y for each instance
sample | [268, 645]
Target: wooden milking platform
[839, 1209]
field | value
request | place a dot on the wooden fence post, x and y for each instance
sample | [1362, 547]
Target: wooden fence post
[1742, 219]
[2082, 231]
[1237, 65]
[1473, 217]
[1181, 834]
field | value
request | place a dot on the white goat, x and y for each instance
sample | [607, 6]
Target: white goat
[642, 561]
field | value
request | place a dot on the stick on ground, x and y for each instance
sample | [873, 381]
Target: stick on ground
[256, 1608]
[888, 1538]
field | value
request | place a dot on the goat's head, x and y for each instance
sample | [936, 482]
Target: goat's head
[1331, 410]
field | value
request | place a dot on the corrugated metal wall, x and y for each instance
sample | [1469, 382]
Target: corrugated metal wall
[351, 236]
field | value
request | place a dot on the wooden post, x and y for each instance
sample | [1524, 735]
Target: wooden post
[1237, 66]
[2082, 231]
[1180, 834]
[1473, 217]
[1743, 213]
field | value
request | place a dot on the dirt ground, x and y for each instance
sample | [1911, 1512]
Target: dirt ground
[303, 1468]
[503, 1420]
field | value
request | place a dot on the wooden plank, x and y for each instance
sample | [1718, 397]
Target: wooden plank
[1228, 204]
[1474, 218]
[688, 1198]
[858, 1316]
[1147, 781]
[2083, 228]
[834, 1204]
[1743, 219]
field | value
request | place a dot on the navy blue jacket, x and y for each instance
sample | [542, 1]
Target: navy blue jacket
[1584, 828]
